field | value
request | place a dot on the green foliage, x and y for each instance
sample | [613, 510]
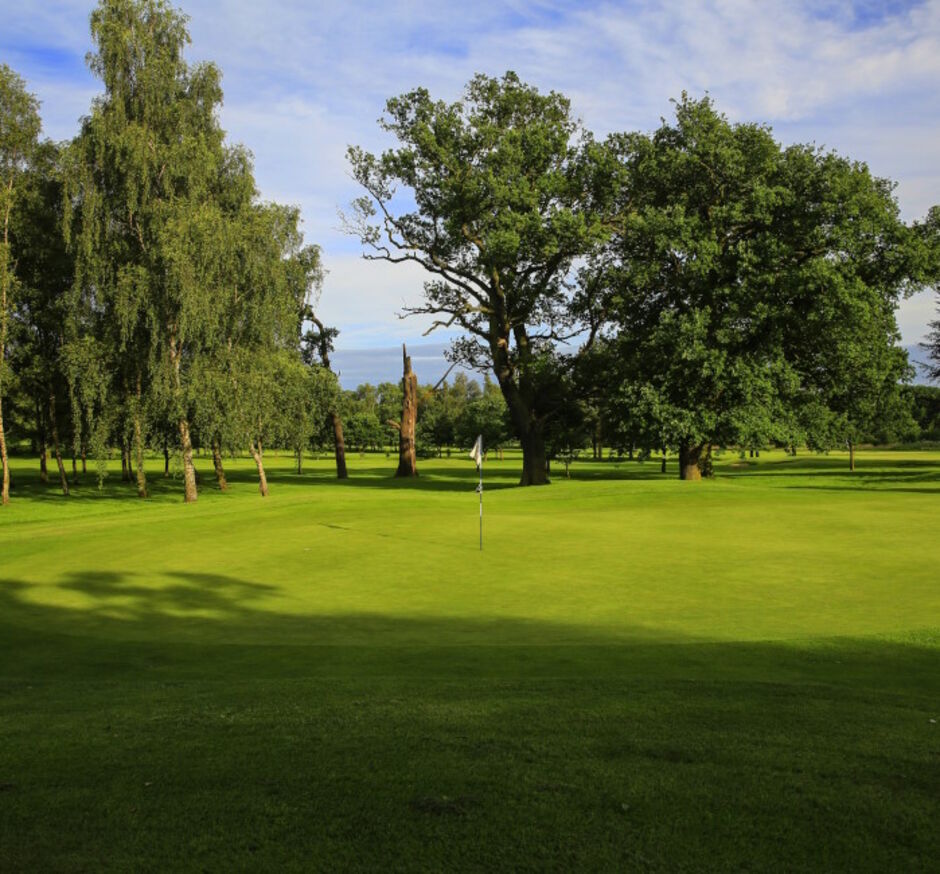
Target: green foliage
[752, 287]
[508, 190]
[925, 408]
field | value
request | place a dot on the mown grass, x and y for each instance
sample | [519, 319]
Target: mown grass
[636, 673]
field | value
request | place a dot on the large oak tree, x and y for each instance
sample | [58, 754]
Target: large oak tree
[502, 192]
[752, 287]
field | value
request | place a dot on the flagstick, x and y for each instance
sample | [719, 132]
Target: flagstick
[480, 489]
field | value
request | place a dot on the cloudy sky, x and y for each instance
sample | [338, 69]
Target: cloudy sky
[304, 79]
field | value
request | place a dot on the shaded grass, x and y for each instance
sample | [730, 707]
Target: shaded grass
[636, 673]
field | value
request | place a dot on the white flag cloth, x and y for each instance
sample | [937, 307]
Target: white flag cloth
[477, 452]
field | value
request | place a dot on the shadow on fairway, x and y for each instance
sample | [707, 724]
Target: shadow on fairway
[185, 726]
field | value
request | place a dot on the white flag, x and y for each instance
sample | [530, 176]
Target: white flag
[477, 452]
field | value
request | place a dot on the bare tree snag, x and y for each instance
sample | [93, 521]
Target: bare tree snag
[407, 461]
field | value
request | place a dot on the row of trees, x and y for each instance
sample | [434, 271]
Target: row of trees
[148, 295]
[701, 285]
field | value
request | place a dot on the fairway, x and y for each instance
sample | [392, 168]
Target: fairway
[636, 673]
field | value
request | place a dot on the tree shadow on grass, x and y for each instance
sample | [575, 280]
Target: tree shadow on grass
[187, 723]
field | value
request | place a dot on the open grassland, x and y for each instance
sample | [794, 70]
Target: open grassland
[636, 673]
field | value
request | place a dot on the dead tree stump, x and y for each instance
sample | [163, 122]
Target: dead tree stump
[407, 461]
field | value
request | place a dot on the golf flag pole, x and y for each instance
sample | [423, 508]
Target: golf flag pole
[477, 455]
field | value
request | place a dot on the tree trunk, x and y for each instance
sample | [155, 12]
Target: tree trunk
[84, 459]
[407, 461]
[257, 454]
[139, 458]
[851, 456]
[139, 445]
[55, 445]
[662, 467]
[520, 400]
[217, 463]
[125, 462]
[339, 444]
[166, 458]
[705, 463]
[534, 463]
[4, 303]
[689, 457]
[4, 459]
[189, 471]
[41, 443]
[299, 456]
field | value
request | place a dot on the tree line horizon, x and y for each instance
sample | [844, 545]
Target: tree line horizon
[698, 286]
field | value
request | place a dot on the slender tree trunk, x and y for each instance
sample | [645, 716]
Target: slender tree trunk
[339, 444]
[84, 459]
[41, 433]
[851, 456]
[4, 304]
[407, 460]
[74, 467]
[189, 471]
[139, 443]
[125, 462]
[139, 459]
[217, 464]
[53, 425]
[190, 494]
[689, 457]
[4, 458]
[166, 458]
[257, 453]
[662, 467]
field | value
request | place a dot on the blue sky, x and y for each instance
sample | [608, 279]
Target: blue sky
[305, 79]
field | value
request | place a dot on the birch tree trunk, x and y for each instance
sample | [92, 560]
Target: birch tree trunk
[217, 464]
[257, 453]
[53, 425]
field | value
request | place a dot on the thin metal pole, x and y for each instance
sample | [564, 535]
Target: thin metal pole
[480, 490]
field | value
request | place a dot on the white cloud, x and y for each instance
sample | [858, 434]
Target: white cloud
[304, 80]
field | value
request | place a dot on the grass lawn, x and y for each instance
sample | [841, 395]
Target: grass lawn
[636, 673]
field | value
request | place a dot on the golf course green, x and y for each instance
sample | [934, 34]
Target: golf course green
[636, 673]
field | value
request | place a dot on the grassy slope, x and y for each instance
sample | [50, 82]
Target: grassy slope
[637, 672]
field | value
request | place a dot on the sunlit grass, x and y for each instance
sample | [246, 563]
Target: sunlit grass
[634, 671]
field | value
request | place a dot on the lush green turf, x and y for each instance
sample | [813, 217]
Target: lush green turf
[635, 673]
